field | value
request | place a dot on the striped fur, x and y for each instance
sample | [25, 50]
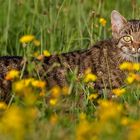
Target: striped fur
[103, 58]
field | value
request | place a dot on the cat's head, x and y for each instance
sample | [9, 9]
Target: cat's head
[127, 35]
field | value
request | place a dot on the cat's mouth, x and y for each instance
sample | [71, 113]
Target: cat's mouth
[136, 55]
[130, 56]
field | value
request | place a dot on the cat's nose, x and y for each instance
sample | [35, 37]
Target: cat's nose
[133, 50]
[138, 50]
[136, 47]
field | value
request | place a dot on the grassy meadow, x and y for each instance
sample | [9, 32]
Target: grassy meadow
[74, 112]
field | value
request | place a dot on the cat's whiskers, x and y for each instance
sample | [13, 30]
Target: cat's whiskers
[126, 56]
[129, 57]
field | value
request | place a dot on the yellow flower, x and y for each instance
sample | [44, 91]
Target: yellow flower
[12, 74]
[53, 102]
[90, 77]
[36, 42]
[12, 120]
[136, 66]
[46, 53]
[114, 110]
[137, 77]
[92, 96]
[84, 131]
[28, 81]
[126, 66]
[132, 77]
[19, 86]
[27, 38]
[102, 21]
[3, 106]
[40, 57]
[38, 83]
[118, 91]
[130, 66]
[22, 84]
[55, 91]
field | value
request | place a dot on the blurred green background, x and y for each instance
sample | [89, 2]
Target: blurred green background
[60, 25]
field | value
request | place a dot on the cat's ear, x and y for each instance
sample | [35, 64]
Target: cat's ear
[117, 21]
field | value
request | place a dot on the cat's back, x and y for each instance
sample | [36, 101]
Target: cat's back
[8, 63]
[107, 59]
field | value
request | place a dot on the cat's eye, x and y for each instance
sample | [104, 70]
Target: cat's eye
[127, 38]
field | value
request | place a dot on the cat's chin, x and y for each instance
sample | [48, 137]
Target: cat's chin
[130, 57]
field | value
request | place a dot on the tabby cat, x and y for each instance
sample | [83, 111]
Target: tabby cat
[103, 58]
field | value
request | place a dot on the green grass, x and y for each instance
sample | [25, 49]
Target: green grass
[63, 26]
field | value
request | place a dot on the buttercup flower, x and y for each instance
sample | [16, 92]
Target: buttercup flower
[126, 66]
[13, 120]
[3, 106]
[114, 109]
[38, 83]
[92, 96]
[118, 91]
[102, 21]
[53, 102]
[46, 53]
[55, 91]
[132, 77]
[130, 66]
[40, 57]
[19, 86]
[27, 38]
[12, 74]
[136, 66]
[90, 77]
